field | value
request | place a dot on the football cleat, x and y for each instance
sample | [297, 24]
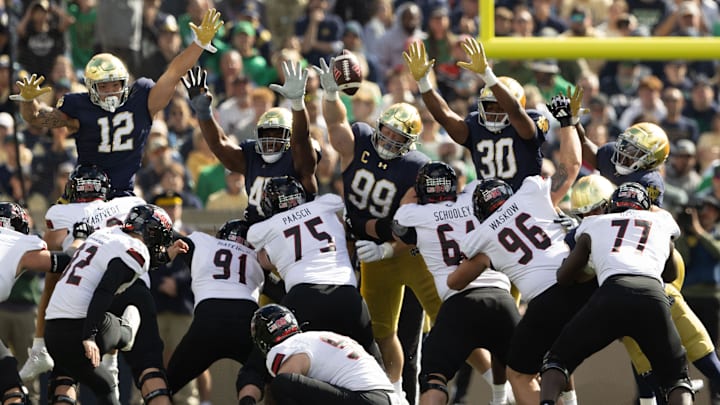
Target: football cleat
[131, 318]
[38, 362]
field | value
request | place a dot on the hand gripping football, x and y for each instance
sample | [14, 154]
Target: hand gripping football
[347, 73]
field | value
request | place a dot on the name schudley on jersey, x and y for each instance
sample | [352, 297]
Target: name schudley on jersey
[507, 213]
[296, 215]
[452, 213]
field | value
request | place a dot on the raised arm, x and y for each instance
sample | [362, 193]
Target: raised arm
[416, 60]
[229, 153]
[519, 118]
[570, 155]
[163, 90]
[339, 130]
[301, 147]
[35, 113]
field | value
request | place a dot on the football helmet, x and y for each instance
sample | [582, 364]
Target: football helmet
[589, 193]
[13, 216]
[643, 146]
[271, 325]
[88, 183]
[103, 68]
[629, 196]
[402, 119]
[280, 194]
[497, 121]
[489, 195]
[153, 224]
[273, 131]
[234, 230]
[436, 181]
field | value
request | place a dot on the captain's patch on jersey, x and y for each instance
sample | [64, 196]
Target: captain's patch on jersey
[543, 124]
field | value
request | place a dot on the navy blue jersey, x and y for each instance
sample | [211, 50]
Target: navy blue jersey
[112, 141]
[506, 155]
[651, 179]
[257, 173]
[373, 187]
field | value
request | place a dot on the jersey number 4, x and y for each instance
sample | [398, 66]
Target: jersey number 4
[122, 126]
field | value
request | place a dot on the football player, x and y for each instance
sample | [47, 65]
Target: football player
[440, 218]
[226, 280]
[379, 166]
[317, 367]
[80, 310]
[590, 196]
[634, 157]
[111, 122]
[19, 252]
[305, 242]
[270, 154]
[88, 190]
[519, 236]
[504, 140]
[630, 249]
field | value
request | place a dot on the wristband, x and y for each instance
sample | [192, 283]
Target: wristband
[489, 77]
[203, 114]
[58, 262]
[424, 84]
[383, 229]
[331, 95]
[208, 47]
[297, 104]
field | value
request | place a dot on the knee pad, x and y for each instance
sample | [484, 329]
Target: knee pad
[682, 384]
[426, 385]
[64, 399]
[550, 363]
[22, 395]
[157, 392]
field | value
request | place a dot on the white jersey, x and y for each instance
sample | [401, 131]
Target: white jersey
[630, 242]
[13, 246]
[334, 359]
[522, 240]
[100, 214]
[307, 243]
[224, 269]
[440, 227]
[75, 289]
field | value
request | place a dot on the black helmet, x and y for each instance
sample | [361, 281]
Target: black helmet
[153, 224]
[271, 325]
[281, 194]
[13, 216]
[489, 195]
[88, 183]
[629, 196]
[234, 230]
[436, 181]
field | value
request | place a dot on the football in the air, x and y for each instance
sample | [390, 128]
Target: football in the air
[347, 73]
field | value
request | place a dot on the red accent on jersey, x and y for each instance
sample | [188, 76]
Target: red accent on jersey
[137, 256]
[277, 362]
[49, 224]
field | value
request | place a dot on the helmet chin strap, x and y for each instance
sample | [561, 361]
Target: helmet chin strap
[271, 157]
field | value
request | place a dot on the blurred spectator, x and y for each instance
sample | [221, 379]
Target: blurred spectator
[263, 99]
[236, 114]
[621, 86]
[210, 180]
[173, 203]
[62, 174]
[200, 156]
[647, 103]
[255, 65]
[702, 106]
[194, 12]
[609, 27]
[122, 40]
[581, 26]
[319, 31]
[231, 66]
[232, 198]
[364, 105]
[175, 179]
[675, 74]
[63, 79]
[11, 165]
[6, 105]
[452, 81]
[544, 16]
[234, 10]
[548, 79]
[157, 156]
[353, 41]
[680, 169]
[708, 152]
[684, 21]
[360, 11]
[380, 22]
[180, 125]
[46, 160]
[397, 88]
[503, 21]
[7, 127]
[430, 138]
[40, 36]
[649, 13]
[82, 31]
[166, 49]
[32, 135]
[598, 9]
[405, 30]
[280, 17]
[440, 40]
[278, 61]
[465, 18]
[676, 125]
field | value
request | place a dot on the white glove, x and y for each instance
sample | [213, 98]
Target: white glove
[294, 87]
[327, 80]
[369, 251]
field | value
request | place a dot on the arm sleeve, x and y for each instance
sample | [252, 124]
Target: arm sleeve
[186, 257]
[116, 275]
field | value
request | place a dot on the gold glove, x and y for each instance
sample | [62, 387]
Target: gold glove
[476, 53]
[576, 98]
[209, 26]
[416, 60]
[30, 88]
